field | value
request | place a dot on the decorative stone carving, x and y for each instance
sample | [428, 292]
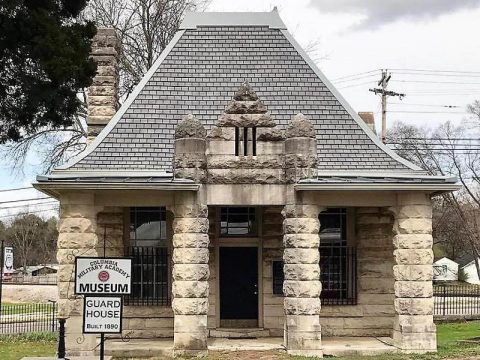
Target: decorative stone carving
[300, 126]
[190, 127]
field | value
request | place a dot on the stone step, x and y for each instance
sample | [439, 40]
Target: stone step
[239, 333]
[139, 348]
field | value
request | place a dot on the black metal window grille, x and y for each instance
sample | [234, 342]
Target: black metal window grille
[338, 262]
[277, 277]
[238, 221]
[150, 259]
[245, 140]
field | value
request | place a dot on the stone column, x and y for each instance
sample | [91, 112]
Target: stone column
[301, 287]
[190, 275]
[414, 330]
[77, 236]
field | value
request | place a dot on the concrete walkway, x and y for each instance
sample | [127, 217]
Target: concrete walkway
[334, 346]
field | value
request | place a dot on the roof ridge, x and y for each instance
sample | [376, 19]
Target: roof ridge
[272, 19]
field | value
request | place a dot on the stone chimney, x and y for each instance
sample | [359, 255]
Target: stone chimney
[369, 119]
[102, 98]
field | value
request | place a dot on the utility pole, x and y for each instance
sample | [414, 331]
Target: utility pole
[386, 76]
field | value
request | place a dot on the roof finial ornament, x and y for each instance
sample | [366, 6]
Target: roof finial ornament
[245, 93]
[190, 127]
[300, 126]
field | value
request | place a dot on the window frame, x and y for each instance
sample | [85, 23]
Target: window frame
[253, 234]
[157, 257]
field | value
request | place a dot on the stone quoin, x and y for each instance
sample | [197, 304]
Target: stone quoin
[250, 197]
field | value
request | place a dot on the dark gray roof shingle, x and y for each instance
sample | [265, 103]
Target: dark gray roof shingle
[201, 74]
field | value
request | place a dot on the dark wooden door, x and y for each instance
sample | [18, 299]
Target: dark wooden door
[238, 283]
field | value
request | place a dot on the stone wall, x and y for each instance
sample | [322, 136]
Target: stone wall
[272, 236]
[374, 313]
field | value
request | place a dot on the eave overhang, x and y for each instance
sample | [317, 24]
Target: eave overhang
[54, 183]
[392, 182]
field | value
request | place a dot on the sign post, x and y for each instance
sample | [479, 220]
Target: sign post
[103, 281]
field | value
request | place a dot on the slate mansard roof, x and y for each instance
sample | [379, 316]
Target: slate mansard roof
[199, 72]
[211, 55]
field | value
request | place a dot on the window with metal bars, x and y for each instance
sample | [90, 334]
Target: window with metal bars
[242, 137]
[238, 221]
[150, 259]
[338, 265]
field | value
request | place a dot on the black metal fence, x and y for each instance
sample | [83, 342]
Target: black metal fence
[150, 276]
[456, 300]
[338, 272]
[28, 318]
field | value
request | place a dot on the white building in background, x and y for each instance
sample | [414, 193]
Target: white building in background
[445, 269]
[471, 272]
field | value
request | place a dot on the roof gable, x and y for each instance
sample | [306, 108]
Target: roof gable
[199, 73]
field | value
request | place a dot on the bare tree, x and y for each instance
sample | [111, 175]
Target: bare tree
[145, 28]
[450, 151]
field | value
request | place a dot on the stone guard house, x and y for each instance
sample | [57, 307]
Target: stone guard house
[251, 197]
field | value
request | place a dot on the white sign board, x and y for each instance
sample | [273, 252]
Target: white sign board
[107, 276]
[7, 262]
[102, 314]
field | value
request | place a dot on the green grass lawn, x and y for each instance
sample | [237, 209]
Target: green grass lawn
[16, 347]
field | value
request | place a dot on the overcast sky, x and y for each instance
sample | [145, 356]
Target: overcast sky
[348, 37]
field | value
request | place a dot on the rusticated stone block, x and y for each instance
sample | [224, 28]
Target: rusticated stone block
[300, 126]
[190, 306]
[190, 323]
[414, 323]
[301, 256]
[301, 211]
[190, 289]
[301, 271]
[413, 289]
[190, 225]
[301, 306]
[76, 240]
[245, 107]
[413, 256]
[415, 211]
[414, 306]
[413, 272]
[301, 226]
[194, 240]
[246, 120]
[190, 256]
[191, 272]
[413, 241]
[415, 342]
[75, 225]
[190, 127]
[302, 289]
[303, 322]
[414, 226]
[301, 240]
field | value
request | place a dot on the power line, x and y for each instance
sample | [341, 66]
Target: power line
[437, 82]
[22, 206]
[16, 189]
[357, 74]
[29, 212]
[438, 71]
[354, 79]
[33, 199]
[353, 85]
[427, 112]
[428, 105]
